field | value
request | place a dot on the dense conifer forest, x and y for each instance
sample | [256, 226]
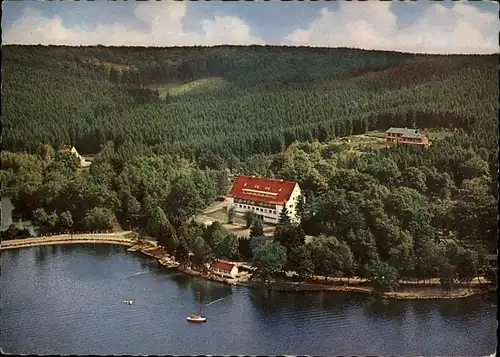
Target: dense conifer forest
[166, 124]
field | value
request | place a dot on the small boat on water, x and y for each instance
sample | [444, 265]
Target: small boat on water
[128, 302]
[197, 318]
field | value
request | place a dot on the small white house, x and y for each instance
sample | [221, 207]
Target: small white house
[227, 270]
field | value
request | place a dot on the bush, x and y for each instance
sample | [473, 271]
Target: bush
[249, 218]
[491, 274]
[230, 215]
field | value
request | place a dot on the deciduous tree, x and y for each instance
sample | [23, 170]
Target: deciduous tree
[269, 258]
[382, 276]
[256, 229]
[99, 218]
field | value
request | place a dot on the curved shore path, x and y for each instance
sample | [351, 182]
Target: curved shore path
[151, 249]
[98, 238]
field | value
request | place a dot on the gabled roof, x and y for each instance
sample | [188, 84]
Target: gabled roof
[397, 130]
[261, 189]
[413, 134]
[222, 265]
[66, 147]
[407, 133]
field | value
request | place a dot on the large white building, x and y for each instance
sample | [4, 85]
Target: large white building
[265, 197]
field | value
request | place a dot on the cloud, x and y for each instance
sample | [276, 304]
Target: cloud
[461, 29]
[370, 25]
[163, 22]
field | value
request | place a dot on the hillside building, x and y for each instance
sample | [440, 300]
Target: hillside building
[72, 149]
[266, 197]
[406, 136]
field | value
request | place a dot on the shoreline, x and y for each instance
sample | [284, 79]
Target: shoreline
[412, 292]
[151, 249]
[102, 238]
[402, 294]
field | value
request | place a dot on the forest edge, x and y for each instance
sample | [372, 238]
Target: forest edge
[406, 291]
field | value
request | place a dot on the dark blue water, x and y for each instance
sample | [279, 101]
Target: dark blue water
[68, 299]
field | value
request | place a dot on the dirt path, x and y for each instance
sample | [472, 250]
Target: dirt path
[217, 206]
[106, 238]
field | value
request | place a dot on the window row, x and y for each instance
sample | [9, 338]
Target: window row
[258, 209]
[255, 203]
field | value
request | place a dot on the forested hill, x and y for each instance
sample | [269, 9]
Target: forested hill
[232, 100]
[166, 124]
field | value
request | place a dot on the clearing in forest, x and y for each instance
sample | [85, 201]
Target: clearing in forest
[198, 86]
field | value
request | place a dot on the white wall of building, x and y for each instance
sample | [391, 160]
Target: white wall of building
[291, 204]
[225, 273]
[80, 157]
[229, 201]
[269, 215]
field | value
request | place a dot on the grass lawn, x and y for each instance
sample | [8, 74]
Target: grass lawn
[376, 134]
[222, 217]
[218, 215]
[435, 135]
[361, 142]
[238, 227]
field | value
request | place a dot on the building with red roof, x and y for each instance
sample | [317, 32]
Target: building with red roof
[406, 136]
[224, 269]
[72, 149]
[266, 197]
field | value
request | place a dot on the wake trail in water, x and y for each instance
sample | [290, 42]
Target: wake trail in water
[213, 302]
[135, 274]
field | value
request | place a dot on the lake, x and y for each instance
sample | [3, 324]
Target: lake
[68, 299]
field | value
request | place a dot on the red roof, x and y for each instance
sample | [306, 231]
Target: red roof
[66, 147]
[222, 266]
[261, 189]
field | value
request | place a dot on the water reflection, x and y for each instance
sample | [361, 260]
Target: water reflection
[40, 255]
[147, 264]
[56, 248]
[75, 305]
[424, 308]
[336, 302]
[382, 307]
[104, 251]
[461, 307]
[264, 303]
[211, 295]
[207, 290]
[183, 281]
[277, 302]
[11, 252]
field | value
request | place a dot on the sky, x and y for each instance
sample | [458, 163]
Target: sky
[443, 27]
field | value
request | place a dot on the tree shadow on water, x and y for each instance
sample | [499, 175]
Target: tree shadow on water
[211, 293]
[461, 308]
[337, 301]
[14, 253]
[41, 254]
[378, 307]
[105, 250]
[268, 304]
[182, 281]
